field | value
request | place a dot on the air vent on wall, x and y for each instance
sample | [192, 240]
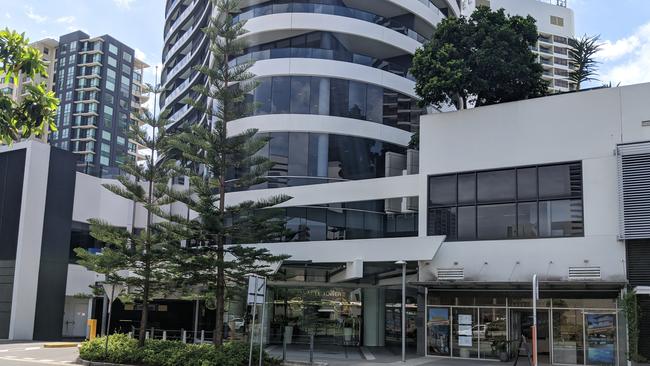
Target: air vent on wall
[584, 273]
[451, 274]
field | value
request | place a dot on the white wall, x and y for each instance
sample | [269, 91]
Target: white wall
[79, 280]
[92, 200]
[583, 126]
[542, 12]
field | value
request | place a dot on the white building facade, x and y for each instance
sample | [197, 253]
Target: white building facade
[504, 194]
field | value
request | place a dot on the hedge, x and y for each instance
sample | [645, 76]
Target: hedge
[124, 350]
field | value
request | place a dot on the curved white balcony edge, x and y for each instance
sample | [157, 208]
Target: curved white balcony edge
[328, 23]
[320, 124]
[334, 69]
[454, 7]
[430, 14]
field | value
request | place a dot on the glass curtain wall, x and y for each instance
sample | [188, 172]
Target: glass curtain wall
[333, 97]
[570, 331]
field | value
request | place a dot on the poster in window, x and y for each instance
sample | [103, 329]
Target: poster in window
[465, 341]
[601, 339]
[438, 324]
[464, 319]
[464, 330]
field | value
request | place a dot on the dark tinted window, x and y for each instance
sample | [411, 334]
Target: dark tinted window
[527, 220]
[263, 97]
[560, 218]
[357, 100]
[281, 94]
[527, 202]
[527, 183]
[442, 221]
[298, 146]
[300, 94]
[466, 188]
[496, 186]
[467, 223]
[497, 221]
[560, 181]
[442, 190]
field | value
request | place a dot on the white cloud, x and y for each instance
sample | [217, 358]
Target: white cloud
[124, 4]
[140, 55]
[68, 19]
[627, 61]
[7, 15]
[33, 16]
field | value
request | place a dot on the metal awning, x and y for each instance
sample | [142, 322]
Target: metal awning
[583, 286]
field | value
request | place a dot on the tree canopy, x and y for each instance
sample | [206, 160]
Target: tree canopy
[35, 111]
[481, 60]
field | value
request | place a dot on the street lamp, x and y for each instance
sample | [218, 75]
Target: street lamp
[403, 264]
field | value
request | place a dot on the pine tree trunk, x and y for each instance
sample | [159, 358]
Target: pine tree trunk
[144, 319]
[220, 310]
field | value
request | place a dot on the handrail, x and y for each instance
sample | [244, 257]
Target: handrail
[267, 9]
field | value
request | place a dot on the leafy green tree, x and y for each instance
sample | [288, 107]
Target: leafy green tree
[36, 111]
[582, 53]
[139, 258]
[217, 163]
[481, 60]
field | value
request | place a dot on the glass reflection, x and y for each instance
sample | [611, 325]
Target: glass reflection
[333, 97]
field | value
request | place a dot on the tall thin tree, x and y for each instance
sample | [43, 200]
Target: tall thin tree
[216, 163]
[582, 58]
[142, 254]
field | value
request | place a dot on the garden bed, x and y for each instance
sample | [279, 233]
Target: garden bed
[123, 350]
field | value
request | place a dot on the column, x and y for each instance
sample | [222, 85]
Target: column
[374, 314]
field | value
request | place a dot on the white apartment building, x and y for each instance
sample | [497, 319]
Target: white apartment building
[555, 24]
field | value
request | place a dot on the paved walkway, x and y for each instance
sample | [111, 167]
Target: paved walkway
[33, 353]
[370, 356]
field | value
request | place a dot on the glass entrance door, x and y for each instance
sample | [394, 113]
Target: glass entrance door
[521, 321]
[600, 332]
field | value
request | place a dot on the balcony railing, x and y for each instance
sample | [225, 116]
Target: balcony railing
[179, 43]
[178, 90]
[179, 66]
[181, 18]
[324, 54]
[179, 113]
[267, 9]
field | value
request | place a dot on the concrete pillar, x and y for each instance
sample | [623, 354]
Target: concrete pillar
[374, 317]
[421, 322]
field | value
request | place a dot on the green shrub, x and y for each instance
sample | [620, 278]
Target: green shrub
[122, 349]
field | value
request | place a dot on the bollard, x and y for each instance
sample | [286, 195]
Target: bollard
[284, 348]
[130, 334]
[146, 335]
[183, 336]
[153, 333]
[164, 335]
[92, 329]
[202, 335]
[311, 349]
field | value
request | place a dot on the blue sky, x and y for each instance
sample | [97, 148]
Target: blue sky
[624, 26]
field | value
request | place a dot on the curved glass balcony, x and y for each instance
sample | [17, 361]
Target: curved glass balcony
[278, 7]
[324, 54]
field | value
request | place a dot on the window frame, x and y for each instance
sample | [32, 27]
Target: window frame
[453, 236]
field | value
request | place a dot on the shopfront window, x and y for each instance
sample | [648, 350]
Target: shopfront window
[568, 341]
[332, 315]
[465, 332]
[572, 331]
